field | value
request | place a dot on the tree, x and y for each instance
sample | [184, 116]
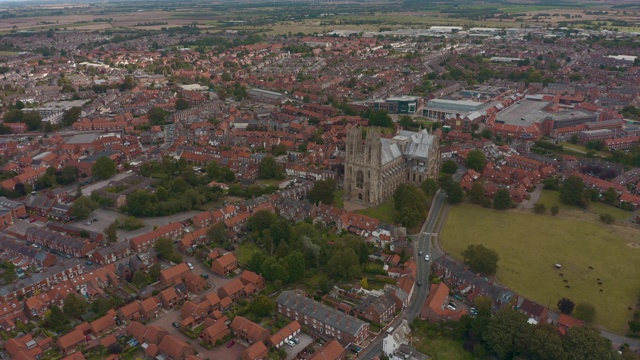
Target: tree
[103, 168]
[542, 342]
[410, 204]
[19, 105]
[140, 279]
[566, 306]
[154, 272]
[262, 305]
[481, 259]
[585, 311]
[280, 149]
[572, 192]
[82, 207]
[455, 193]
[274, 271]
[476, 194]
[56, 321]
[261, 220]
[322, 192]
[344, 264]
[68, 175]
[74, 306]
[555, 210]
[586, 343]
[269, 169]
[610, 196]
[157, 116]
[164, 248]
[486, 133]
[502, 200]
[71, 116]
[295, 265]
[111, 232]
[539, 208]
[505, 331]
[449, 167]
[33, 120]
[475, 160]
[182, 104]
[13, 116]
[218, 235]
[429, 187]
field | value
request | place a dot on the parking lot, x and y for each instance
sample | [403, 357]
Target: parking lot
[293, 351]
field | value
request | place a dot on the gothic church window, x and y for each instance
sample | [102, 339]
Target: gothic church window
[359, 180]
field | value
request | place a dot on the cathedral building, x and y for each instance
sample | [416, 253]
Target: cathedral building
[375, 166]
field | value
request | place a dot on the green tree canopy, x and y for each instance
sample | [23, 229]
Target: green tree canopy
[502, 200]
[322, 192]
[75, 305]
[182, 104]
[481, 259]
[296, 265]
[429, 187]
[33, 120]
[13, 116]
[103, 168]
[476, 194]
[261, 220]
[565, 305]
[410, 204]
[140, 279]
[82, 207]
[262, 305]
[344, 264]
[56, 321]
[157, 116]
[586, 343]
[475, 160]
[572, 192]
[269, 169]
[455, 193]
[449, 167]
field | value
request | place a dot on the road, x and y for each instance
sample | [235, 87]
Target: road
[420, 292]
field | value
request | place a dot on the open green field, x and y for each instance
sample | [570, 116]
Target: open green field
[338, 198]
[383, 212]
[245, 251]
[582, 149]
[529, 245]
[550, 198]
[442, 348]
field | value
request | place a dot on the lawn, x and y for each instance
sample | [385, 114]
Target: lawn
[383, 212]
[550, 198]
[441, 348]
[338, 198]
[529, 245]
[583, 149]
[245, 251]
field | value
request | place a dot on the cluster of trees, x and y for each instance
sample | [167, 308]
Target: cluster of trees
[166, 250]
[572, 192]
[179, 189]
[236, 91]
[31, 118]
[378, 118]
[411, 205]
[290, 250]
[157, 116]
[82, 207]
[251, 191]
[75, 306]
[269, 169]
[53, 177]
[481, 259]
[322, 192]
[103, 168]
[507, 335]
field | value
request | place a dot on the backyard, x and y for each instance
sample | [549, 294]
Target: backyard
[529, 245]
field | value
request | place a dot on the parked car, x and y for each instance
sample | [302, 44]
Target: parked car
[231, 343]
[295, 340]
[205, 276]
[190, 266]
[175, 324]
[290, 343]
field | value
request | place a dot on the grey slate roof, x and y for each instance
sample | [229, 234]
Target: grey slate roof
[322, 313]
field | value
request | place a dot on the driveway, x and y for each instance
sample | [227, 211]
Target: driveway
[533, 198]
[293, 351]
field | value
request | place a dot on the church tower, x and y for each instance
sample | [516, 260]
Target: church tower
[363, 166]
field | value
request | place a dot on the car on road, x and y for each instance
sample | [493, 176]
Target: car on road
[175, 324]
[426, 257]
[205, 276]
[33, 220]
[419, 282]
[190, 266]
[231, 343]
[420, 253]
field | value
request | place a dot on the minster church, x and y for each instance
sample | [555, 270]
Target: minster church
[375, 166]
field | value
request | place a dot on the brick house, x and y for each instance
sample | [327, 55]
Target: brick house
[249, 277]
[194, 283]
[149, 308]
[225, 264]
[169, 298]
[215, 332]
[169, 276]
[248, 331]
[257, 351]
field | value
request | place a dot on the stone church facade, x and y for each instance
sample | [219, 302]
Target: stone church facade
[375, 166]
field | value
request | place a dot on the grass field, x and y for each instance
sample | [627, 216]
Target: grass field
[441, 348]
[582, 149]
[338, 199]
[245, 251]
[550, 198]
[529, 245]
[384, 212]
